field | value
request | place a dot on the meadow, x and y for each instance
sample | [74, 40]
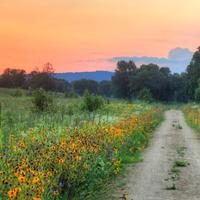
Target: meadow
[67, 152]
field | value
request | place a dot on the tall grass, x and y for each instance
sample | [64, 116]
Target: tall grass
[66, 153]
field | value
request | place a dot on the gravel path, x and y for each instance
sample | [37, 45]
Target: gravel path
[159, 176]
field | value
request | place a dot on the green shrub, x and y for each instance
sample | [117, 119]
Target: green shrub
[92, 103]
[145, 95]
[42, 101]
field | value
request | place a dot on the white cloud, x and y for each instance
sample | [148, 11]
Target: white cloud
[177, 60]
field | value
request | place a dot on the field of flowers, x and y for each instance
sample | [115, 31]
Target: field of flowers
[192, 115]
[69, 160]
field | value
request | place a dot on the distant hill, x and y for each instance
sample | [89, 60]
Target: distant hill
[97, 75]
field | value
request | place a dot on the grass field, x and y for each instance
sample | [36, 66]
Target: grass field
[68, 153]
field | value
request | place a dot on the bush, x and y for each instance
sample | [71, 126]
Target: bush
[92, 103]
[41, 101]
[145, 95]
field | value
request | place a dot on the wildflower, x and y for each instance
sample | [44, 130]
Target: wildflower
[117, 163]
[78, 158]
[17, 174]
[63, 144]
[116, 171]
[17, 189]
[12, 194]
[22, 144]
[60, 161]
[21, 179]
[73, 146]
[35, 180]
[5, 182]
[36, 198]
[61, 184]
[53, 148]
[55, 193]
[49, 174]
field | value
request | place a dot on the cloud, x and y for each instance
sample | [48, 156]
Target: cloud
[180, 54]
[177, 60]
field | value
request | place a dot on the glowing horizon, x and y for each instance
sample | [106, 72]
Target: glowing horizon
[77, 35]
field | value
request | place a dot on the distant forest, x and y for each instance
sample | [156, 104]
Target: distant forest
[147, 82]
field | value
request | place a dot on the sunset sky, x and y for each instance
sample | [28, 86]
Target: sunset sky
[84, 35]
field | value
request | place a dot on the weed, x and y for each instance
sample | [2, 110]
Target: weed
[181, 163]
[181, 151]
[178, 126]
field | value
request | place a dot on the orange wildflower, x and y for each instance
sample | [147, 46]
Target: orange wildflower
[78, 158]
[12, 194]
[73, 146]
[60, 161]
[17, 189]
[35, 180]
[36, 198]
[116, 171]
[22, 179]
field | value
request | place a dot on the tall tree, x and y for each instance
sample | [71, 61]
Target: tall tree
[13, 78]
[193, 74]
[179, 87]
[82, 85]
[155, 79]
[105, 88]
[42, 79]
[121, 79]
[62, 85]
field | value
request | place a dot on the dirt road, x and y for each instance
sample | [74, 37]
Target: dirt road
[171, 166]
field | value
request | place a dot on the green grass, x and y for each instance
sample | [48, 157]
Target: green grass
[181, 163]
[18, 118]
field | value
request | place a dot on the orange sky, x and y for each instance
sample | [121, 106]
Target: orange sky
[77, 35]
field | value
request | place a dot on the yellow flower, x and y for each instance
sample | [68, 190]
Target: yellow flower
[78, 158]
[21, 179]
[55, 193]
[53, 148]
[49, 174]
[117, 163]
[73, 146]
[35, 180]
[36, 198]
[116, 171]
[60, 161]
[17, 189]
[12, 194]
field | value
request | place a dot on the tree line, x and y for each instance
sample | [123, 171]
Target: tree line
[151, 82]
[147, 82]
[44, 79]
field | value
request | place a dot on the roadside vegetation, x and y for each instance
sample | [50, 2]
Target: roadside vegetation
[192, 115]
[53, 147]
